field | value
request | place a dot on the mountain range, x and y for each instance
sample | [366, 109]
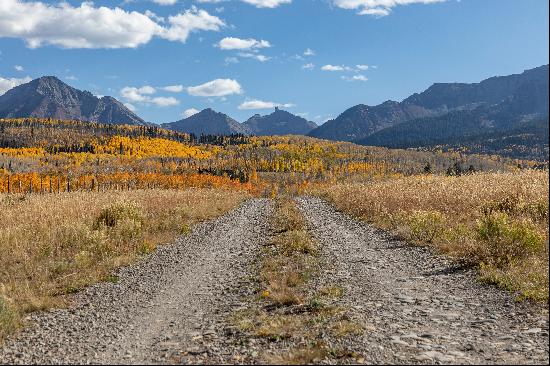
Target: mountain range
[210, 122]
[445, 111]
[49, 97]
[503, 112]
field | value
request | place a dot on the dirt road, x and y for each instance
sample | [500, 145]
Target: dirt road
[157, 306]
[172, 307]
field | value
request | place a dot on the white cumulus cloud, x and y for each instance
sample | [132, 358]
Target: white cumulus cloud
[88, 26]
[144, 95]
[173, 88]
[267, 3]
[232, 43]
[164, 101]
[191, 20]
[216, 88]
[137, 95]
[190, 112]
[9, 83]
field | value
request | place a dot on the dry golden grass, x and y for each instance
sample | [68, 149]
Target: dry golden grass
[497, 221]
[288, 310]
[51, 245]
[333, 292]
[287, 262]
[344, 328]
[312, 354]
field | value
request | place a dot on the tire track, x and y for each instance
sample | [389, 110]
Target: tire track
[158, 306]
[415, 306]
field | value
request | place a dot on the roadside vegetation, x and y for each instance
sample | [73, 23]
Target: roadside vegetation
[51, 156]
[79, 199]
[497, 222]
[53, 245]
[293, 313]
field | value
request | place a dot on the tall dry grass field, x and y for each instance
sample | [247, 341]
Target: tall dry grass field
[51, 245]
[495, 221]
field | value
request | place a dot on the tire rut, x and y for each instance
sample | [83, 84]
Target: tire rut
[415, 306]
[157, 307]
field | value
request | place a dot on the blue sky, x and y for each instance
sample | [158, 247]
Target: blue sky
[313, 57]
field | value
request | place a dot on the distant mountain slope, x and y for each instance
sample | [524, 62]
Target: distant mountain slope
[279, 123]
[528, 102]
[448, 96]
[49, 97]
[361, 121]
[445, 111]
[208, 122]
[528, 141]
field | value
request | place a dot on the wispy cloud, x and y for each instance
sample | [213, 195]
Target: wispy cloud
[232, 43]
[378, 8]
[255, 56]
[173, 88]
[257, 3]
[355, 78]
[260, 104]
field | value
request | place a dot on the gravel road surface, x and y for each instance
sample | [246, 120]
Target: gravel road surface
[173, 307]
[415, 306]
[157, 307]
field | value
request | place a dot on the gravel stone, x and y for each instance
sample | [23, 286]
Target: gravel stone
[153, 312]
[418, 307]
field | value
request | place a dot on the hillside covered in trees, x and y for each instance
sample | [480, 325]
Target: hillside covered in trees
[32, 151]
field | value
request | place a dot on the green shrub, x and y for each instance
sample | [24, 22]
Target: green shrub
[296, 241]
[425, 226]
[506, 241]
[185, 229]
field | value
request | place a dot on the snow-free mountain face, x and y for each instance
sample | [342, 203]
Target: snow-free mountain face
[208, 122]
[444, 111]
[49, 97]
[363, 120]
[279, 123]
